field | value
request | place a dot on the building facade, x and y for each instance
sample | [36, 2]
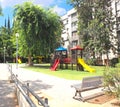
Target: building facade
[71, 38]
[117, 14]
[69, 35]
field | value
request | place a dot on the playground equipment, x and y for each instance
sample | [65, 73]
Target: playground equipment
[61, 57]
[19, 60]
[76, 53]
[85, 66]
[55, 65]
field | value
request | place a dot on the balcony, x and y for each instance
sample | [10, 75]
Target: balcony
[74, 19]
[118, 26]
[75, 37]
[74, 28]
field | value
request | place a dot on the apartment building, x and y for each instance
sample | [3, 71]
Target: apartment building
[70, 36]
[117, 13]
[115, 6]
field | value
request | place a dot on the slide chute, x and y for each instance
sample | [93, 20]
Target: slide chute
[85, 66]
[55, 65]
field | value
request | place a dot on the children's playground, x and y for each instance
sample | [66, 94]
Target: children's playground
[62, 59]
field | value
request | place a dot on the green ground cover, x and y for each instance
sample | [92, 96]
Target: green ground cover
[68, 73]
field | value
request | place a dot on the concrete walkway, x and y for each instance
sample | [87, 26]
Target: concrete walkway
[7, 93]
[57, 90]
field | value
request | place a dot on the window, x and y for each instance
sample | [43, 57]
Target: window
[74, 33]
[74, 43]
[74, 26]
[74, 15]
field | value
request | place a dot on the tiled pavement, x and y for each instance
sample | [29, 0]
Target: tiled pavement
[7, 92]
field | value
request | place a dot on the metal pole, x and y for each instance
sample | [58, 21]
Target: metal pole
[27, 89]
[4, 55]
[16, 52]
[17, 35]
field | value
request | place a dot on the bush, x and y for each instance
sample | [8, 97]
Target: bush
[91, 61]
[114, 61]
[112, 82]
[35, 61]
[117, 65]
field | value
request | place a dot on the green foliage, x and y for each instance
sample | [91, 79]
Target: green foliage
[95, 25]
[119, 59]
[0, 10]
[114, 61]
[117, 65]
[6, 45]
[112, 82]
[5, 41]
[35, 61]
[39, 29]
[91, 61]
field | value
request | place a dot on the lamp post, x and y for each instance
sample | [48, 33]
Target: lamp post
[4, 54]
[17, 35]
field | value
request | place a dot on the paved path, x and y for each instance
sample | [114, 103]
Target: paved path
[7, 95]
[57, 90]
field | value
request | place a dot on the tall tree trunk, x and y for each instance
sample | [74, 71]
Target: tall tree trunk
[107, 62]
[30, 60]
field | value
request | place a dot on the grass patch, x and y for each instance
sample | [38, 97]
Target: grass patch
[67, 73]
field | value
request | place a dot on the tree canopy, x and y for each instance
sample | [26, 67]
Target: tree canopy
[0, 10]
[39, 29]
[95, 25]
[5, 42]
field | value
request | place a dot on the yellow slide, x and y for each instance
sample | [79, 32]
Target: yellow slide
[87, 67]
[19, 61]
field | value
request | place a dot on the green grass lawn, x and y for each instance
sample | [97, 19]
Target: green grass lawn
[67, 73]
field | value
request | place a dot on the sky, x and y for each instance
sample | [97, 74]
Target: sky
[60, 6]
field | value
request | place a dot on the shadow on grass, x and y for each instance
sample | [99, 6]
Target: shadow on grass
[45, 66]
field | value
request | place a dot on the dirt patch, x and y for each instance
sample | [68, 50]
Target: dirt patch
[15, 100]
[116, 104]
[101, 99]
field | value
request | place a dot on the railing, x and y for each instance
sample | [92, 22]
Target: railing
[26, 91]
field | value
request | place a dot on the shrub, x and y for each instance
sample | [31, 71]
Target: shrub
[34, 61]
[91, 61]
[114, 61]
[117, 65]
[112, 82]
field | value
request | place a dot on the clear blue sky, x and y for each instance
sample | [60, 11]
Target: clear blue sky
[60, 6]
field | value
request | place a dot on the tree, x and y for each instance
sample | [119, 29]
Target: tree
[112, 82]
[0, 11]
[95, 25]
[5, 23]
[101, 28]
[39, 29]
[8, 23]
[5, 41]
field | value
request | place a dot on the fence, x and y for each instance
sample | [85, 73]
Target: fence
[23, 92]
